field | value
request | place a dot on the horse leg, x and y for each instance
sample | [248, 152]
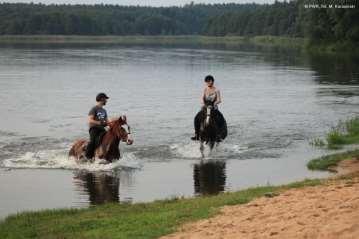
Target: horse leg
[201, 148]
[211, 144]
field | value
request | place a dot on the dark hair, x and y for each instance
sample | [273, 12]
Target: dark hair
[209, 78]
[101, 96]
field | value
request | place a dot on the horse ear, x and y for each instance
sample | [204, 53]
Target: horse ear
[123, 118]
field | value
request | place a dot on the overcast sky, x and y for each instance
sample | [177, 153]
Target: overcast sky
[137, 2]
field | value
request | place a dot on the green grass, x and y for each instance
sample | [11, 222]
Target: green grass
[328, 161]
[345, 133]
[149, 220]
[317, 142]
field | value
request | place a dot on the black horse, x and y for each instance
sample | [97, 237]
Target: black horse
[212, 126]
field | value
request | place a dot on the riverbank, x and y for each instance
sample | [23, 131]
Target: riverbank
[149, 220]
[327, 210]
[152, 220]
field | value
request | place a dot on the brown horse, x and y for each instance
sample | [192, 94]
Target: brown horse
[108, 149]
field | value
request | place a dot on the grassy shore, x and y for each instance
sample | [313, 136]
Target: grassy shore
[149, 220]
[345, 133]
[297, 43]
[154, 40]
[327, 162]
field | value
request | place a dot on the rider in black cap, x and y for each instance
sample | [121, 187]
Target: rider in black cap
[97, 121]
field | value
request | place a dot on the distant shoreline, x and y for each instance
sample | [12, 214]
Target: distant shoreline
[154, 40]
[302, 44]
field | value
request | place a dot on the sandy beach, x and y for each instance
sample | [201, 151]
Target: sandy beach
[328, 211]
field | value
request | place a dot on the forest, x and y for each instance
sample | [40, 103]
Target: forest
[282, 18]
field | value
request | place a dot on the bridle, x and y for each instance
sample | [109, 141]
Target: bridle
[127, 129]
[208, 114]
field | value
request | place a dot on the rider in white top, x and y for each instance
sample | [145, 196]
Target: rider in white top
[211, 96]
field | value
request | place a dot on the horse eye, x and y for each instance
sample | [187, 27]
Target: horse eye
[124, 128]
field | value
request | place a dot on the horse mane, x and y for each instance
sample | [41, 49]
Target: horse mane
[111, 134]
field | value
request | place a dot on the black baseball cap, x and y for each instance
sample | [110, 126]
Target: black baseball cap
[101, 96]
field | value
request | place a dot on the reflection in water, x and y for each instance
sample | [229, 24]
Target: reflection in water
[101, 187]
[337, 69]
[209, 177]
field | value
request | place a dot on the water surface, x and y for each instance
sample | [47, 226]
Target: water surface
[275, 101]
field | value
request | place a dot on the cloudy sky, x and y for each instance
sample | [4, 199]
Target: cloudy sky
[138, 2]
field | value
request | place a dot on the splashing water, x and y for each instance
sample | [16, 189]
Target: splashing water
[191, 150]
[58, 159]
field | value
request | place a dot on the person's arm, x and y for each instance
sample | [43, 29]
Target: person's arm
[202, 97]
[92, 121]
[219, 98]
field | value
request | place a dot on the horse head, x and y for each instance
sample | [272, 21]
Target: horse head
[121, 129]
[208, 130]
[208, 111]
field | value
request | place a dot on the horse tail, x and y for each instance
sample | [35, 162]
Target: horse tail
[72, 151]
[76, 148]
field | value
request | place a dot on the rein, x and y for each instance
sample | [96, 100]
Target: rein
[112, 138]
[208, 114]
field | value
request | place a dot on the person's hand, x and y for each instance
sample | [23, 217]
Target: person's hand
[103, 123]
[110, 124]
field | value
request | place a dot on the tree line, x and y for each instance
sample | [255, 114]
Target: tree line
[107, 19]
[302, 18]
[291, 18]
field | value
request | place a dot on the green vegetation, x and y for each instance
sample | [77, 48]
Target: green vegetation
[231, 41]
[282, 41]
[346, 132]
[127, 40]
[317, 142]
[102, 19]
[149, 220]
[328, 161]
[326, 29]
